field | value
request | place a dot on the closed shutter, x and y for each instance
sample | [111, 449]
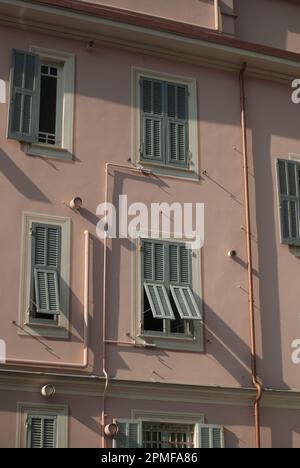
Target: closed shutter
[24, 97]
[46, 253]
[180, 264]
[152, 120]
[209, 436]
[177, 124]
[41, 431]
[153, 264]
[129, 434]
[288, 185]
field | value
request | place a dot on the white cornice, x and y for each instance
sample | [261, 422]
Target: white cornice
[140, 390]
[56, 21]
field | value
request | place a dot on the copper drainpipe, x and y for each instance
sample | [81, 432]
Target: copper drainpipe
[255, 381]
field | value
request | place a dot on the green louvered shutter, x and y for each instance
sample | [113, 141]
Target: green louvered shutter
[209, 436]
[154, 261]
[41, 431]
[180, 264]
[129, 434]
[24, 97]
[181, 282]
[177, 125]
[152, 120]
[288, 185]
[46, 254]
[154, 279]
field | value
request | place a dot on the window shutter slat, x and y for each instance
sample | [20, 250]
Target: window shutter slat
[159, 301]
[47, 291]
[49, 433]
[177, 124]
[185, 302]
[35, 430]
[41, 432]
[152, 119]
[210, 437]
[179, 258]
[24, 95]
[129, 435]
[288, 187]
[46, 250]
[148, 261]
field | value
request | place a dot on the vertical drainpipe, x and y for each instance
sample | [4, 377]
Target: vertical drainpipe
[256, 383]
[217, 15]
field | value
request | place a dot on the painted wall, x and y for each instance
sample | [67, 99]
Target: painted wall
[197, 12]
[103, 133]
[280, 428]
[276, 22]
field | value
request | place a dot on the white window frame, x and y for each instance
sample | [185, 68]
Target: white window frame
[67, 62]
[162, 169]
[172, 341]
[28, 325]
[31, 409]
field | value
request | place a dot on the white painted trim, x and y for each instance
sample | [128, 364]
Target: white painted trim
[163, 169]
[67, 61]
[175, 342]
[61, 329]
[25, 409]
[167, 417]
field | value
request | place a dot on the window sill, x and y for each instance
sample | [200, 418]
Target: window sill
[170, 171]
[47, 151]
[176, 343]
[43, 329]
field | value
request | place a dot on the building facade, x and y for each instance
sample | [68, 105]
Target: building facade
[159, 102]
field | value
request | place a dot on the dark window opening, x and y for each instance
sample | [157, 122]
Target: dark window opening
[151, 323]
[48, 105]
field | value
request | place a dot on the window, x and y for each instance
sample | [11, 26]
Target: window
[169, 306]
[41, 105]
[42, 426]
[166, 294]
[45, 269]
[50, 112]
[172, 436]
[169, 435]
[288, 173]
[165, 123]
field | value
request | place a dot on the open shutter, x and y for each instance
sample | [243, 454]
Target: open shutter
[186, 303]
[24, 96]
[209, 436]
[41, 431]
[152, 119]
[46, 251]
[177, 124]
[129, 434]
[159, 301]
[155, 278]
[288, 185]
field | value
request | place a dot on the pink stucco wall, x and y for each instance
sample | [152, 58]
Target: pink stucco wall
[198, 12]
[103, 133]
[270, 22]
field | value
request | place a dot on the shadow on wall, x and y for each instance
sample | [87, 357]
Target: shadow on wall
[20, 180]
